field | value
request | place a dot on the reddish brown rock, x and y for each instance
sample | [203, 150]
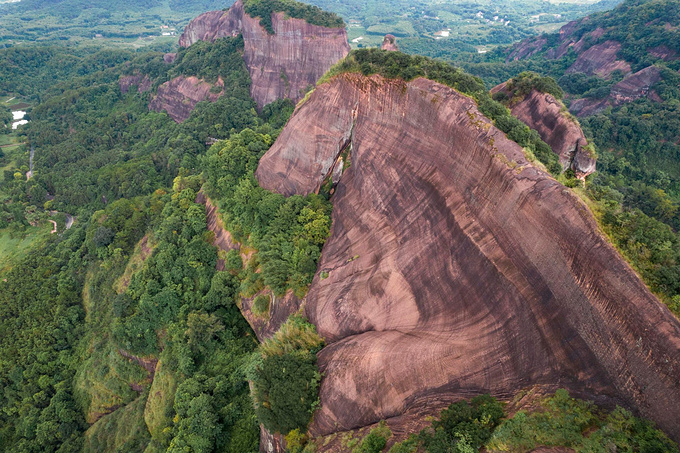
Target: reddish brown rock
[634, 87]
[143, 83]
[664, 52]
[548, 116]
[527, 48]
[281, 65]
[180, 95]
[600, 60]
[213, 25]
[390, 43]
[456, 268]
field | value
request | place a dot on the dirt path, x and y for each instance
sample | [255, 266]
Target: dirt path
[54, 226]
[12, 144]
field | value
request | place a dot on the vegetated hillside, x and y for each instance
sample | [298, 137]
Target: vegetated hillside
[288, 46]
[618, 71]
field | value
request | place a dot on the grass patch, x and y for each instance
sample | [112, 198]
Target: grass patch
[123, 430]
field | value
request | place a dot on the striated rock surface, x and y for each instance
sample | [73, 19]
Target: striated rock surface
[547, 116]
[142, 82]
[634, 87]
[389, 43]
[281, 65]
[180, 95]
[600, 60]
[456, 268]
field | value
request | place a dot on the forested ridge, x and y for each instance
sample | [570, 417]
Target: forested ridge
[120, 334]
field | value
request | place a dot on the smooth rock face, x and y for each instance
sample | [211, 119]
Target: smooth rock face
[457, 268]
[631, 88]
[212, 25]
[543, 113]
[600, 60]
[180, 95]
[281, 65]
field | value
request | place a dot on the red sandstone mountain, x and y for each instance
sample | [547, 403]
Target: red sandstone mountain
[636, 86]
[599, 59]
[455, 267]
[548, 116]
[281, 65]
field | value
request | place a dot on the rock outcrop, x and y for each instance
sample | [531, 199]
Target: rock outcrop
[180, 95]
[548, 116]
[142, 82]
[600, 60]
[455, 267]
[390, 43]
[664, 52]
[636, 86]
[281, 65]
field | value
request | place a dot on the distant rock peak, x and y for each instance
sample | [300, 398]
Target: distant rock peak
[390, 43]
[281, 65]
[548, 116]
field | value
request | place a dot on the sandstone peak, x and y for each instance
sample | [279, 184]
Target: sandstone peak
[455, 267]
[390, 43]
[282, 64]
[548, 116]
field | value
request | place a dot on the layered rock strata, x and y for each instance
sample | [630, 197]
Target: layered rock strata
[455, 267]
[282, 65]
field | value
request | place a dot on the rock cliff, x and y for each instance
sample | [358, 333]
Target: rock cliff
[594, 58]
[389, 43]
[180, 95]
[600, 60]
[454, 267]
[634, 87]
[548, 116]
[281, 65]
[143, 83]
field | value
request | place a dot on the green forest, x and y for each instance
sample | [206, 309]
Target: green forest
[119, 333]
